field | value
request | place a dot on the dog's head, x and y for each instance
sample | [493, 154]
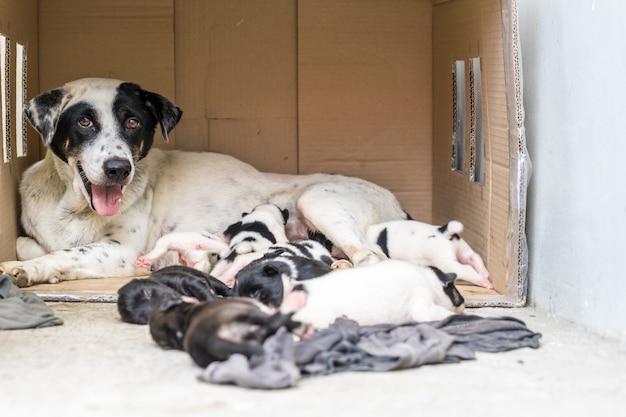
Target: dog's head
[100, 128]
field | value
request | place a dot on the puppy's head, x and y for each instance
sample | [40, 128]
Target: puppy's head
[100, 128]
[263, 280]
[139, 297]
[168, 323]
[450, 290]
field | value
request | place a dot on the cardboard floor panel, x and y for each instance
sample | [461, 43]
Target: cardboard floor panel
[104, 290]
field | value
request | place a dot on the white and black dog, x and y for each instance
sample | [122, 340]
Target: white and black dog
[101, 197]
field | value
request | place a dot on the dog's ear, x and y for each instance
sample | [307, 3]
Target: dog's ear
[165, 112]
[44, 110]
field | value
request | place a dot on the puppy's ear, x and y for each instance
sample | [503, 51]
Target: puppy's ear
[43, 112]
[446, 279]
[165, 112]
[285, 214]
[171, 303]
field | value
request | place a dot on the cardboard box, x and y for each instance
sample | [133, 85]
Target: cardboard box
[420, 96]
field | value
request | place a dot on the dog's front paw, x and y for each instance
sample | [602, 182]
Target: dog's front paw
[18, 272]
[27, 273]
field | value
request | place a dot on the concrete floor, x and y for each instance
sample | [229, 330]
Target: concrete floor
[96, 365]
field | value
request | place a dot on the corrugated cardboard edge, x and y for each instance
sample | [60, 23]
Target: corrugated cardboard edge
[520, 165]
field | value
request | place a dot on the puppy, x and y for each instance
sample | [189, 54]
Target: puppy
[137, 298]
[257, 231]
[262, 278]
[193, 248]
[425, 244]
[214, 330]
[390, 291]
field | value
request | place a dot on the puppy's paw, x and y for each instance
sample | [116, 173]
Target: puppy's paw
[341, 264]
[143, 262]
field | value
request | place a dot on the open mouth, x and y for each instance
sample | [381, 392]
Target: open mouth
[104, 199]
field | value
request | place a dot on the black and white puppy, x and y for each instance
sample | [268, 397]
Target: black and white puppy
[214, 330]
[249, 238]
[263, 278]
[389, 291]
[426, 244]
[137, 298]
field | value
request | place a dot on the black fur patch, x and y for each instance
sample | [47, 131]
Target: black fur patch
[447, 280]
[381, 241]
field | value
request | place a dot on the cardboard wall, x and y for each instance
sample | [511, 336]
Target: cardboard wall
[463, 29]
[365, 94]
[18, 24]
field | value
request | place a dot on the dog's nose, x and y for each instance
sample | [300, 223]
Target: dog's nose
[117, 169]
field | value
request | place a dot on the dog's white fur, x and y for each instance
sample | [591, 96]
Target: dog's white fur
[167, 191]
[424, 244]
[390, 291]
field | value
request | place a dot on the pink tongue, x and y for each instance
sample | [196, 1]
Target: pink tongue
[106, 199]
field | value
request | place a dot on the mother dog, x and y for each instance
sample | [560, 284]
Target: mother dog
[101, 197]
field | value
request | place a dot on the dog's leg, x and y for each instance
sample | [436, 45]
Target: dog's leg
[28, 248]
[96, 260]
[343, 210]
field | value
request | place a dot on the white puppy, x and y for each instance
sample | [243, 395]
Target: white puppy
[386, 292]
[194, 249]
[425, 244]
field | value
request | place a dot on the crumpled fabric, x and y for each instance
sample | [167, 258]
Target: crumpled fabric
[346, 346]
[21, 309]
[274, 369]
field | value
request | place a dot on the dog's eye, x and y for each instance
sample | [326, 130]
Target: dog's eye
[132, 123]
[85, 121]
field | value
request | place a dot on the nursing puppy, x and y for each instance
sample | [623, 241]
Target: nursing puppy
[262, 279]
[137, 298]
[390, 291]
[425, 244]
[214, 330]
[249, 238]
[194, 249]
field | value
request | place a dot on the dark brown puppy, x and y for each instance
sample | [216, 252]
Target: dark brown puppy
[214, 330]
[138, 297]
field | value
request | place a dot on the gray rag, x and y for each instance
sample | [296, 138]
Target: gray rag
[23, 310]
[346, 346]
[273, 370]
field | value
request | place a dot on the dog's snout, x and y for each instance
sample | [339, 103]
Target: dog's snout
[117, 169]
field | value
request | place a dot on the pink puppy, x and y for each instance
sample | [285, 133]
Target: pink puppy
[193, 249]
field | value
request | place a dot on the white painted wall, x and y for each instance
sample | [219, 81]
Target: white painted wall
[574, 68]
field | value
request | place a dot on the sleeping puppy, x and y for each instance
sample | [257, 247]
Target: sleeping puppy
[214, 330]
[262, 279]
[254, 233]
[194, 249]
[425, 244]
[138, 297]
[389, 291]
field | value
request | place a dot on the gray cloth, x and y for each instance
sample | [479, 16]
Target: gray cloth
[23, 310]
[273, 370]
[346, 346]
